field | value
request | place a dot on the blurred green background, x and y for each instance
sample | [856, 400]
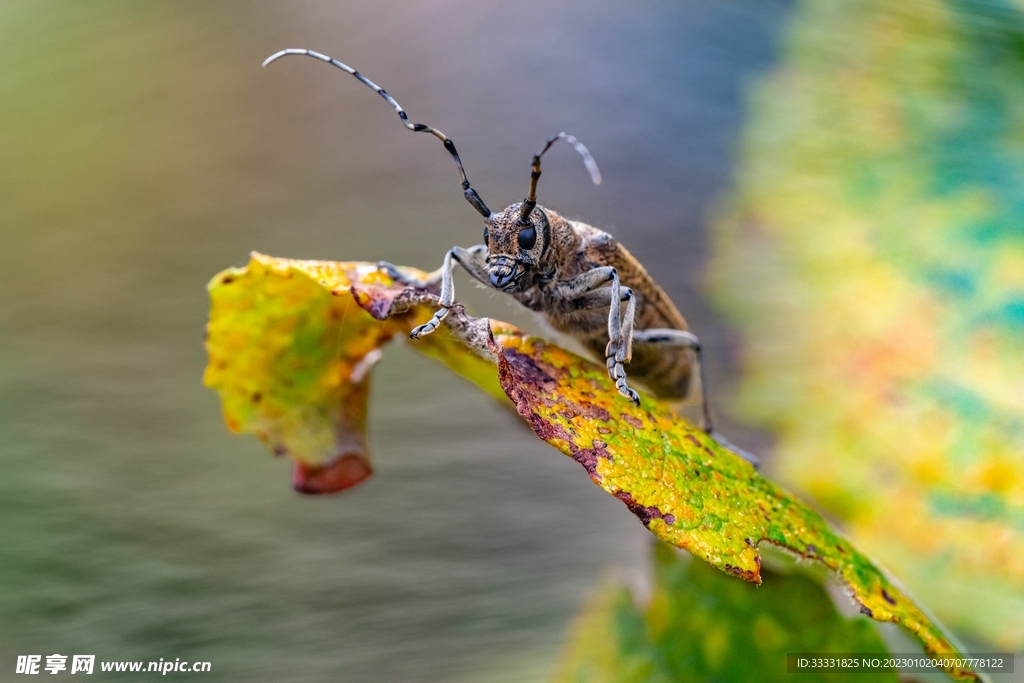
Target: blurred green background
[142, 150]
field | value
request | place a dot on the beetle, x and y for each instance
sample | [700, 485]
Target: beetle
[578, 277]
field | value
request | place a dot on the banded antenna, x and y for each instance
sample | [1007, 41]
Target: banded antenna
[471, 196]
[531, 199]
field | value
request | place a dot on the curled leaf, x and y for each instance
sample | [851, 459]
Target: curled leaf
[290, 353]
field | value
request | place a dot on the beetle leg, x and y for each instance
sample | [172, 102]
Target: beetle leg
[688, 340]
[464, 256]
[681, 339]
[472, 260]
[587, 282]
[620, 338]
[620, 328]
[398, 276]
[620, 325]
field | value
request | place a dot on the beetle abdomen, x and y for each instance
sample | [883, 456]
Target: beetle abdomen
[666, 370]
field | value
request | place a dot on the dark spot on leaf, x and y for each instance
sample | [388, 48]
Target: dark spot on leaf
[257, 397]
[594, 412]
[280, 450]
[588, 457]
[550, 431]
[585, 410]
[812, 549]
[633, 421]
[525, 370]
[888, 598]
[646, 514]
[864, 609]
[227, 280]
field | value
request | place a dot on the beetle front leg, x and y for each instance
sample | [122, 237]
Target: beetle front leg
[472, 260]
[620, 339]
[398, 276]
[620, 327]
[467, 258]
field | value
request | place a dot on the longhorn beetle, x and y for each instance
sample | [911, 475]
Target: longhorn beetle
[580, 278]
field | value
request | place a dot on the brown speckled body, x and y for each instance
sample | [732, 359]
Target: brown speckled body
[567, 249]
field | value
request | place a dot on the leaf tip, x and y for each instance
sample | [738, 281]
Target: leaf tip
[340, 474]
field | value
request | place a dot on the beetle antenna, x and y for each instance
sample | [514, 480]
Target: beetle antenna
[531, 199]
[471, 196]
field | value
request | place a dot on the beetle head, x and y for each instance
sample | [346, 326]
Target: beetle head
[515, 248]
[519, 237]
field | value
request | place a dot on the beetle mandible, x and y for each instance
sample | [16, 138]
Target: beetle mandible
[579, 278]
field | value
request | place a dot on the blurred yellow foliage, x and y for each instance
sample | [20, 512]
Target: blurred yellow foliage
[873, 257]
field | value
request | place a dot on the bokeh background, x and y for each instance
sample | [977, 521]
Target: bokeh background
[143, 149]
[873, 258]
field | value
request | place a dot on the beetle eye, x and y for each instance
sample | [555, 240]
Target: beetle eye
[527, 237]
[487, 238]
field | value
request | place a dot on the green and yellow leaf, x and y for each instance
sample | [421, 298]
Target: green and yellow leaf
[291, 344]
[699, 626]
